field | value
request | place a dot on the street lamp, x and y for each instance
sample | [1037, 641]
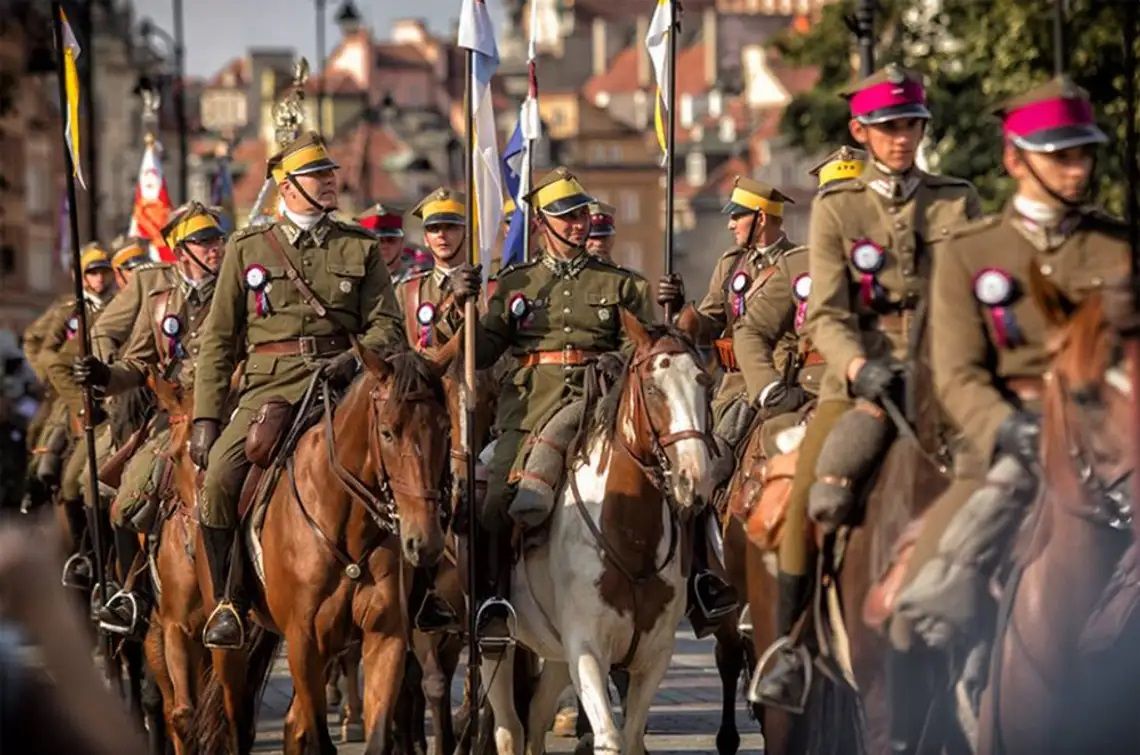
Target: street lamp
[148, 29]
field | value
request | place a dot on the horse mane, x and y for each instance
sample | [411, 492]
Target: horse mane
[411, 373]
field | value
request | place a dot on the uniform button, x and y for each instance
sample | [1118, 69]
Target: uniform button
[900, 224]
[602, 300]
[308, 262]
[1046, 269]
[566, 310]
[892, 209]
[1097, 280]
[568, 329]
[565, 292]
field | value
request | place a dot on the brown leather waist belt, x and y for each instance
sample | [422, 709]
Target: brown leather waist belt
[725, 355]
[310, 346]
[564, 357]
[1028, 389]
[812, 358]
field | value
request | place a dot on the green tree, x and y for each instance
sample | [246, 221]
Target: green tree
[974, 53]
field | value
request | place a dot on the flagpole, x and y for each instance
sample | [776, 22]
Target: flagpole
[470, 315]
[670, 141]
[81, 314]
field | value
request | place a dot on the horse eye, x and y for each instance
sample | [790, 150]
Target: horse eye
[386, 435]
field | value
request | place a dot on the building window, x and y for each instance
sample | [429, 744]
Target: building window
[695, 169]
[597, 153]
[40, 260]
[37, 183]
[630, 206]
[615, 153]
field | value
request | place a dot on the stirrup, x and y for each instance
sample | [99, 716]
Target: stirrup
[74, 562]
[782, 643]
[744, 622]
[131, 626]
[225, 607]
[499, 644]
[708, 612]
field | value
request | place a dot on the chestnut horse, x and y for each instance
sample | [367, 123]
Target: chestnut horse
[356, 507]
[606, 587]
[1065, 667]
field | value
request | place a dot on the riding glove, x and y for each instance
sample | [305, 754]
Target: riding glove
[875, 379]
[671, 291]
[1019, 436]
[782, 398]
[466, 282]
[90, 371]
[202, 438]
[340, 370]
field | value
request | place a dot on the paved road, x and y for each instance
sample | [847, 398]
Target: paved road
[683, 719]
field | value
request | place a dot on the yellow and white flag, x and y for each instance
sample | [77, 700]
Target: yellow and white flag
[71, 52]
[657, 42]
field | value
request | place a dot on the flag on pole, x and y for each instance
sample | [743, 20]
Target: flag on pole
[515, 174]
[64, 249]
[152, 204]
[657, 42]
[476, 33]
[71, 52]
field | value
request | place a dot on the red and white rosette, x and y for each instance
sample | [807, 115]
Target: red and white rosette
[801, 290]
[171, 327]
[425, 316]
[868, 258]
[257, 282]
[518, 306]
[72, 326]
[738, 285]
[995, 289]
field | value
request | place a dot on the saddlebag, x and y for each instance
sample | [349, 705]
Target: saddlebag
[266, 431]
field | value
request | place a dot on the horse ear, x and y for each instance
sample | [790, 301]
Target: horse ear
[1052, 301]
[634, 329]
[689, 322]
[442, 357]
[373, 363]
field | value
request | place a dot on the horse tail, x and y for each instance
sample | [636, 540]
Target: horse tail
[211, 724]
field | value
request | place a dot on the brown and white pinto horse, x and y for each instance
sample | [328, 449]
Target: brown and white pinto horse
[1066, 663]
[607, 587]
[357, 506]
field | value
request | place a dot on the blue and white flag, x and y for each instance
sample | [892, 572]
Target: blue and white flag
[515, 176]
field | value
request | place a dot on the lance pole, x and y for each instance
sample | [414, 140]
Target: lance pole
[670, 142]
[1059, 37]
[83, 333]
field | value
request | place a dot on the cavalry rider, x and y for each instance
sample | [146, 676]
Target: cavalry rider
[162, 347]
[781, 369]
[871, 245]
[990, 355]
[741, 275]
[603, 232]
[555, 315]
[289, 295]
[388, 225]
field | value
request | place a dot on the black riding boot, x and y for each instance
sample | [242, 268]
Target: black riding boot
[784, 684]
[224, 629]
[909, 698]
[708, 592]
[126, 610]
[435, 614]
[495, 622]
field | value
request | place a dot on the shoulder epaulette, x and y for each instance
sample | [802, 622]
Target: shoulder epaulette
[835, 187]
[252, 230]
[731, 252]
[415, 275]
[516, 266]
[352, 227]
[1105, 220]
[608, 263]
[976, 226]
[935, 179]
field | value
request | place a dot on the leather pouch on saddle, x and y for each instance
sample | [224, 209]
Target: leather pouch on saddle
[266, 431]
[139, 510]
[848, 457]
[111, 472]
[545, 467]
[761, 502]
[50, 462]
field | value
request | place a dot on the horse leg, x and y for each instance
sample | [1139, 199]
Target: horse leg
[642, 687]
[153, 649]
[352, 710]
[553, 680]
[383, 671]
[178, 660]
[436, 686]
[590, 673]
[729, 663]
[306, 723]
[498, 677]
[132, 655]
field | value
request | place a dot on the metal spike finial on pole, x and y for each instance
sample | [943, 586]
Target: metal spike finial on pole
[288, 120]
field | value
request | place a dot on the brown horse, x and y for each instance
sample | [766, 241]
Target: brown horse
[1065, 664]
[356, 506]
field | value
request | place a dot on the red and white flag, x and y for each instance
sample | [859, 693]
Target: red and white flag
[152, 204]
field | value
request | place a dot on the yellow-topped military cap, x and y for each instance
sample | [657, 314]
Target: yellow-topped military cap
[129, 254]
[305, 154]
[509, 207]
[192, 221]
[845, 162]
[558, 193]
[749, 195]
[273, 169]
[442, 206]
[94, 258]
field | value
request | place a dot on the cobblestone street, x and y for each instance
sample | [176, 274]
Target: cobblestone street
[683, 719]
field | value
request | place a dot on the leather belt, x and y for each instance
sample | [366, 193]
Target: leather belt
[564, 357]
[725, 355]
[1027, 389]
[812, 358]
[310, 346]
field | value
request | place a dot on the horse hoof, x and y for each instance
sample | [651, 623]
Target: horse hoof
[565, 723]
[351, 731]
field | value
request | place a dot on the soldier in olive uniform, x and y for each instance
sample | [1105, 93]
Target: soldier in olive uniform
[285, 328]
[990, 354]
[603, 231]
[162, 346]
[739, 279]
[388, 224]
[555, 315]
[871, 245]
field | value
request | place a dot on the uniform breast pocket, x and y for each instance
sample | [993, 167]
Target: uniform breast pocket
[257, 368]
[600, 312]
[345, 274]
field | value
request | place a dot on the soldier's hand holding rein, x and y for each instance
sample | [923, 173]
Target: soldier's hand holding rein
[671, 291]
[466, 282]
[90, 371]
[874, 379]
[781, 398]
[340, 370]
[1020, 436]
[202, 438]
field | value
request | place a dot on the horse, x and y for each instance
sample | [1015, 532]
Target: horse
[643, 463]
[1064, 665]
[357, 504]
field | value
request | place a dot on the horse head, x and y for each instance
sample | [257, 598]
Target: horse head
[665, 416]
[407, 443]
[1087, 426]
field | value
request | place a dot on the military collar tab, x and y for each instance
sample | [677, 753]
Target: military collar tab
[566, 268]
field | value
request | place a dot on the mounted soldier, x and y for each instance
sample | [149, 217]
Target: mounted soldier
[387, 223]
[556, 316]
[871, 245]
[740, 277]
[163, 347]
[603, 231]
[291, 297]
[991, 353]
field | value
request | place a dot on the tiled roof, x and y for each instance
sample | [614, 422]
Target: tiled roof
[238, 69]
[621, 75]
